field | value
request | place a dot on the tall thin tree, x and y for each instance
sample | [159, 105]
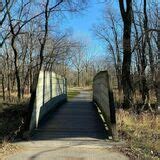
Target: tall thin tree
[126, 14]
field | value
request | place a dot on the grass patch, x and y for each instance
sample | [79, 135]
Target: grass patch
[72, 93]
[142, 133]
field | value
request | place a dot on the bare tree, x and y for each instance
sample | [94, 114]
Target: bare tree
[78, 62]
[112, 38]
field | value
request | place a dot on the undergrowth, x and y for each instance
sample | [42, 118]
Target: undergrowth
[142, 134]
[7, 148]
[12, 121]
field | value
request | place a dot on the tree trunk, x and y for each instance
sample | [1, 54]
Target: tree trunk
[3, 87]
[145, 90]
[141, 66]
[78, 77]
[158, 68]
[8, 87]
[16, 68]
[151, 60]
[126, 65]
[24, 76]
[8, 78]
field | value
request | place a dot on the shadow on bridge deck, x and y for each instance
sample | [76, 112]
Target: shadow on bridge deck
[77, 120]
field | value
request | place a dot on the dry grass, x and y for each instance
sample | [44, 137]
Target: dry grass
[142, 133]
[7, 148]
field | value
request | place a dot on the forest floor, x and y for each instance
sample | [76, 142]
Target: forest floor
[11, 121]
[142, 134]
[7, 148]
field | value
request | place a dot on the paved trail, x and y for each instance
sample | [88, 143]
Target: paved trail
[74, 132]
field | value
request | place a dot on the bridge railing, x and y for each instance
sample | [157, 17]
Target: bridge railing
[103, 97]
[51, 91]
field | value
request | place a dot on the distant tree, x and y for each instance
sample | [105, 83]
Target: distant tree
[78, 61]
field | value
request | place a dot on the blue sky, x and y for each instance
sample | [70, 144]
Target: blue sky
[82, 24]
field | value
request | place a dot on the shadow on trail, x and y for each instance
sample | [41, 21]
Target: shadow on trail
[77, 119]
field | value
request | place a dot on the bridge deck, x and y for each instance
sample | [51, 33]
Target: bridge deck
[77, 119]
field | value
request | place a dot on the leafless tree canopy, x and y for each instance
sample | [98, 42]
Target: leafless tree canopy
[131, 40]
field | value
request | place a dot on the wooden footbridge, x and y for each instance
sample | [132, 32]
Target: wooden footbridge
[89, 115]
[76, 119]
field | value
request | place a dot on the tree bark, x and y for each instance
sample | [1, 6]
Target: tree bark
[8, 76]
[126, 65]
[16, 67]
[78, 77]
[151, 60]
[145, 90]
[158, 67]
[3, 87]
[13, 38]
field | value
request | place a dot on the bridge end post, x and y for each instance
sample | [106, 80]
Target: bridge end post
[103, 97]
